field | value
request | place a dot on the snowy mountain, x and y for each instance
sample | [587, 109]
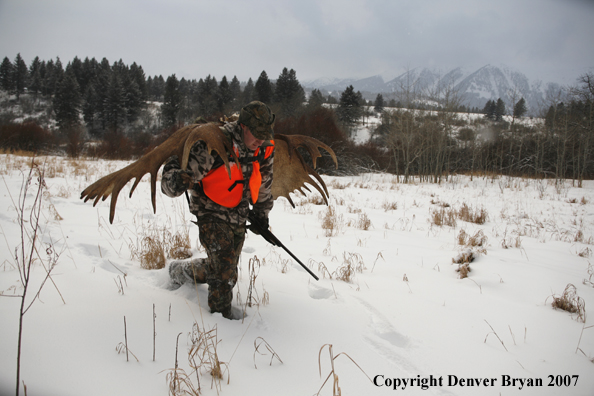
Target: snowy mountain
[475, 87]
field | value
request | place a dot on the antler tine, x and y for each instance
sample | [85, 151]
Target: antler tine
[297, 173]
[178, 144]
[150, 163]
[311, 145]
[210, 133]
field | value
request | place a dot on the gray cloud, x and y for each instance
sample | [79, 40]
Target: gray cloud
[547, 39]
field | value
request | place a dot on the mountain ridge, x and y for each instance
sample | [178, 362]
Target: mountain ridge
[475, 87]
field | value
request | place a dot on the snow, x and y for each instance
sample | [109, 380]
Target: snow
[405, 317]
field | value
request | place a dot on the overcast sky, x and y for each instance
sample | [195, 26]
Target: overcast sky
[552, 40]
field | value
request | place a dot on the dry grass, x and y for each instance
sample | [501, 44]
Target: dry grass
[336, 184]
[54, 213]
[587, 252]
[332, 222]
[477, 241]
[463, 270]
[202, 355]
[472, 247]
[477, 216]
[513, 241]
[440, 203]
[152, 253]
[388, 206]
[590, 276]
[363, 222]
[203, 359]
[443, 216]
[313, 199]
[321, 268]
[467, 256]
[156, 245]
[179, 245]
[569, 301]
[353, 263]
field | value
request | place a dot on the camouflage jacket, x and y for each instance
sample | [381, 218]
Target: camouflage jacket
[201, 162]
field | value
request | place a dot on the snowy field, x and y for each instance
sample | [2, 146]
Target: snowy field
[390, 305]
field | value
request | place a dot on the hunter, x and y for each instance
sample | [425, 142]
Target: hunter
[222, 204]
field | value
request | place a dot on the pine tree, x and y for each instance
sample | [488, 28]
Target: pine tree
[89, 106]
[101, 86]
[235, 88]
[248, 93]
[133, 99]
[499, 110]
[35, 83]
[349, 106]
[489, 110]
[56, 76]
[7, 75]
[288, 93]
[137, 75]
[379, 103]
[224, 96]
[77, 69]
[66, 101]
[520, 108]
[88, 73]
[114, 105]
[171, 101]
[21, 75]
[263, 89]
[157, 88]
[316, 99]
[208, 94]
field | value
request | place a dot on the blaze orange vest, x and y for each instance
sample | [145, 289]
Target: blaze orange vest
[227, 191]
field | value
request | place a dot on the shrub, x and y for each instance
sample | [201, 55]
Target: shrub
[26, 136]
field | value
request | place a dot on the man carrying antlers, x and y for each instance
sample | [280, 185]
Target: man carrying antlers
[221, 198]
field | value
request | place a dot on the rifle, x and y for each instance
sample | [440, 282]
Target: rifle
[257, 227]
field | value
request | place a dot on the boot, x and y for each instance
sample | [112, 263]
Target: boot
[182, 271]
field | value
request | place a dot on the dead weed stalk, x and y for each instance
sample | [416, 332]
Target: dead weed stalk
[257, 344]
[202, 358]
[336, 391]
[254, 270]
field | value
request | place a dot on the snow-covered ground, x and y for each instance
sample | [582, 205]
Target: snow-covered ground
[403, 319]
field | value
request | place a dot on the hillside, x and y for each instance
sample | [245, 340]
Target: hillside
[475, 87]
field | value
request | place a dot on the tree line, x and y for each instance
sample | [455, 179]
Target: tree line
[128, 114]
[434, 144]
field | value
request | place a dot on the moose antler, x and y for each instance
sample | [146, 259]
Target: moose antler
[178, 144]
[291, 172]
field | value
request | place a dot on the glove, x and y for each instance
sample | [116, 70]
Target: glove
[257, 222]
[184, 177]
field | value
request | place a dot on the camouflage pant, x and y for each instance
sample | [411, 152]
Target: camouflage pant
[223, 243]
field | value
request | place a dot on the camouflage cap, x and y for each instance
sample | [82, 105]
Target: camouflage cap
[259, 119]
